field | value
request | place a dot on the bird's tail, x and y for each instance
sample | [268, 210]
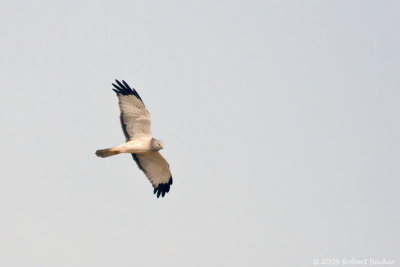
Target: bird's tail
[104, 153]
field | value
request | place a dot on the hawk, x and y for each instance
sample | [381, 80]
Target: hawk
[136, 125]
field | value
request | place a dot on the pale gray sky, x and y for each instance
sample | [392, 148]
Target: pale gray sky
[280, 122]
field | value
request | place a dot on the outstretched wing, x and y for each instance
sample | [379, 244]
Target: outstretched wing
[156, 169]
[135, 119]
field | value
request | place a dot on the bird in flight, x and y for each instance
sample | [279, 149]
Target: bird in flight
[136, 125]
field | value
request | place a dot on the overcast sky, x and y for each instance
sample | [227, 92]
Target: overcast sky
[280, 121]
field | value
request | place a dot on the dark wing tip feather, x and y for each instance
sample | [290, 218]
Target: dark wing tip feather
[124, 89]
[162, 189]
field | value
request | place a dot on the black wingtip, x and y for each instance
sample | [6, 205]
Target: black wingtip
[124, 89]
[162, 189]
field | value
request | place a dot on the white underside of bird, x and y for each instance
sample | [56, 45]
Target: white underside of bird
[135, 146]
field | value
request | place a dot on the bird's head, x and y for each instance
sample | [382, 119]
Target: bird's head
[156, 144]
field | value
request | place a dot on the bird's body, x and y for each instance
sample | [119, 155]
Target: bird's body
[136, 125]
[136, 146]
[142, 145]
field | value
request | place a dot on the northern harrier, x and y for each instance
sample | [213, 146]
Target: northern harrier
[135, 121]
